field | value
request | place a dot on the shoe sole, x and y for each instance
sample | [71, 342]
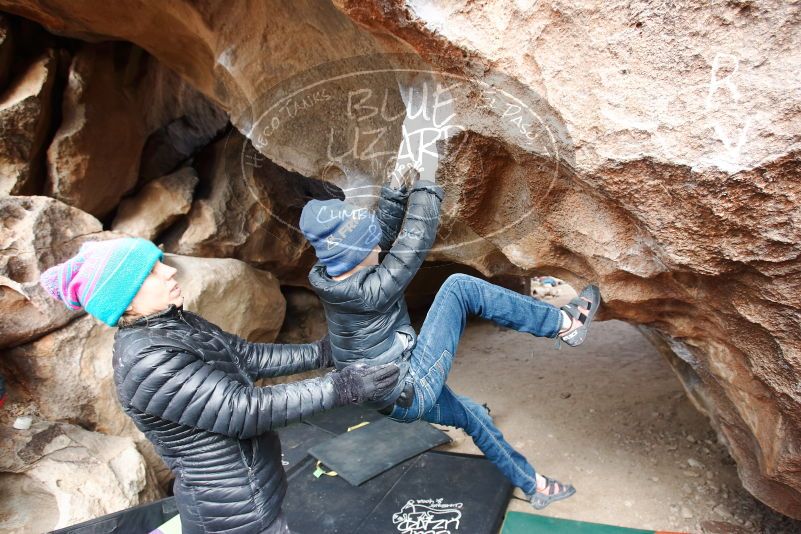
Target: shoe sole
[594, 296]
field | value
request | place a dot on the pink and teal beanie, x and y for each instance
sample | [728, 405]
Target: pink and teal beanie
[104, 277]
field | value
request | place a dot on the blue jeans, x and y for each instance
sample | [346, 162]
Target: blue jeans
[459, 297]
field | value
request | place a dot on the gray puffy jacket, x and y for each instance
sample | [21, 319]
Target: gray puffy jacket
[366, 312]
[189, 386]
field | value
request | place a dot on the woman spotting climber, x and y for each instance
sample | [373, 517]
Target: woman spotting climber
[189, 386]
[368, 320]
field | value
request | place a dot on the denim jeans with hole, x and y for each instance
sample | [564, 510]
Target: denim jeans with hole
[459, 297]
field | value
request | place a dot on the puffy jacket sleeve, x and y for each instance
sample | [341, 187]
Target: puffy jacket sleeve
[382, 287]
[180, 387]
[265, 360]
[391, 206]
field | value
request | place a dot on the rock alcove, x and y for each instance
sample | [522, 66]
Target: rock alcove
[664, 167]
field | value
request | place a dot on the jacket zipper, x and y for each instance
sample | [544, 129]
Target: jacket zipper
[181, 315]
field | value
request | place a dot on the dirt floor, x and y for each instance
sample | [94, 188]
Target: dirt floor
[612, 419]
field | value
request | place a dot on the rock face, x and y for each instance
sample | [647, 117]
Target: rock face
[159, 204]
[116, 97]
[679, 196]
[249, 211]
[57, 475]
[25, 112]
[651, 149]
[213, 45]
[37, 232]
[67, 376]
[305, 317]
[231, 294]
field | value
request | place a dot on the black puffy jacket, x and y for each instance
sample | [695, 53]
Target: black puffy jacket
[365, 310]
[188, 385]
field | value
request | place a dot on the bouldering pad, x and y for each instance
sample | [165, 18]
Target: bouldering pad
[443, 492]
[296, 440]
[338, 420]
[143, 518]
[370, 450]
[435, 491]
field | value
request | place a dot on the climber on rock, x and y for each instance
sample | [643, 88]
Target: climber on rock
[363, 298]
[189, 386]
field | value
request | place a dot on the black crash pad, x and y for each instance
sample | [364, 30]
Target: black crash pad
[365, 452]
[444, 492]
[338, 420]
[143, 518]
[296, 440]
[431, 492]
[330, 504]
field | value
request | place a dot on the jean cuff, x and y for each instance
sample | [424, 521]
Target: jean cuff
[557, 314]
[533, 488]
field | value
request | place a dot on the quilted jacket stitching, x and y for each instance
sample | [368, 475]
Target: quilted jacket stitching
[167, 330]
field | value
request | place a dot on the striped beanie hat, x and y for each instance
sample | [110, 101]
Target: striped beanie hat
[104, 277]
[342, 235]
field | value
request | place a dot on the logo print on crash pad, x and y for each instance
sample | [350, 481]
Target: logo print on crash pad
[428, 515]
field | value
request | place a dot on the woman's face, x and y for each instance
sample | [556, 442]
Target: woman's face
[158, 291]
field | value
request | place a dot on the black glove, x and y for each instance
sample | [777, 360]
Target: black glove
[359, 383]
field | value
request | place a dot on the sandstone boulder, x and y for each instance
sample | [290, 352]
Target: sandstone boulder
[178, 140]
[25, 113]
[305, 317]
[116, 97]
[37, 232]
[250, 211]
[675, 189]
[28, 312]
[157, 205]
[231, 294]
[56, 475]
[66, 375]
[224, 49]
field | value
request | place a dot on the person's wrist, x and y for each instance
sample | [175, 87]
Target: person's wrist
[342, 388]
[429, 186]
[396, 193]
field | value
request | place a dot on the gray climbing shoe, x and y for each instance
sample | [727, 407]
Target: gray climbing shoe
[590, 300]
[553, 491]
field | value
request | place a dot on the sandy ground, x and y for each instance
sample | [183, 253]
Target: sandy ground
[612, 419]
